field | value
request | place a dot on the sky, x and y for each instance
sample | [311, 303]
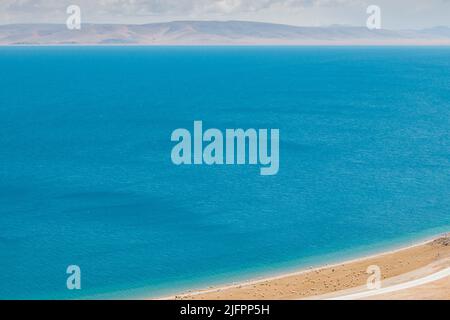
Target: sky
[395, 14]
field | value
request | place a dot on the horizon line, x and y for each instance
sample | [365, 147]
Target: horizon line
[222, 21]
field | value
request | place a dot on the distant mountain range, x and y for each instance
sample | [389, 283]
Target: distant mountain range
[215, 33]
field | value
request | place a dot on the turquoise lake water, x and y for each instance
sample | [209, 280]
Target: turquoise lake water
[86, 176]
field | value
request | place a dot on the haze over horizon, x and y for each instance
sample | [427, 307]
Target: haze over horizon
[400, 14]
[216, 33]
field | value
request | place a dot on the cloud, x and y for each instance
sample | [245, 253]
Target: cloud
[397, 14]
[164, 6]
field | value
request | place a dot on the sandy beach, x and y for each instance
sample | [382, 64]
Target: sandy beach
[408, 273]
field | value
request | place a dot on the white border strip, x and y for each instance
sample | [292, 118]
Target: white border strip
[410, 284]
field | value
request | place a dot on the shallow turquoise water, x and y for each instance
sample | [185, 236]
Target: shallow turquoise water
[86, 176]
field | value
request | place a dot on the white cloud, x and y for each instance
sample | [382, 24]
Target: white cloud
[166, 6]
[397, 14]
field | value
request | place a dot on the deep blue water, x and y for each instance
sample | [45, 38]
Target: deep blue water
[86, 176]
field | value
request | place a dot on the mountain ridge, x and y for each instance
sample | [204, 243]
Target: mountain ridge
[233, 32]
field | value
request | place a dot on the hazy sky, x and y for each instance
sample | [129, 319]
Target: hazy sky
[396, 14]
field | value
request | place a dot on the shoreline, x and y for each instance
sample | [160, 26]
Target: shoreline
[224, 45]
[247, 289]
